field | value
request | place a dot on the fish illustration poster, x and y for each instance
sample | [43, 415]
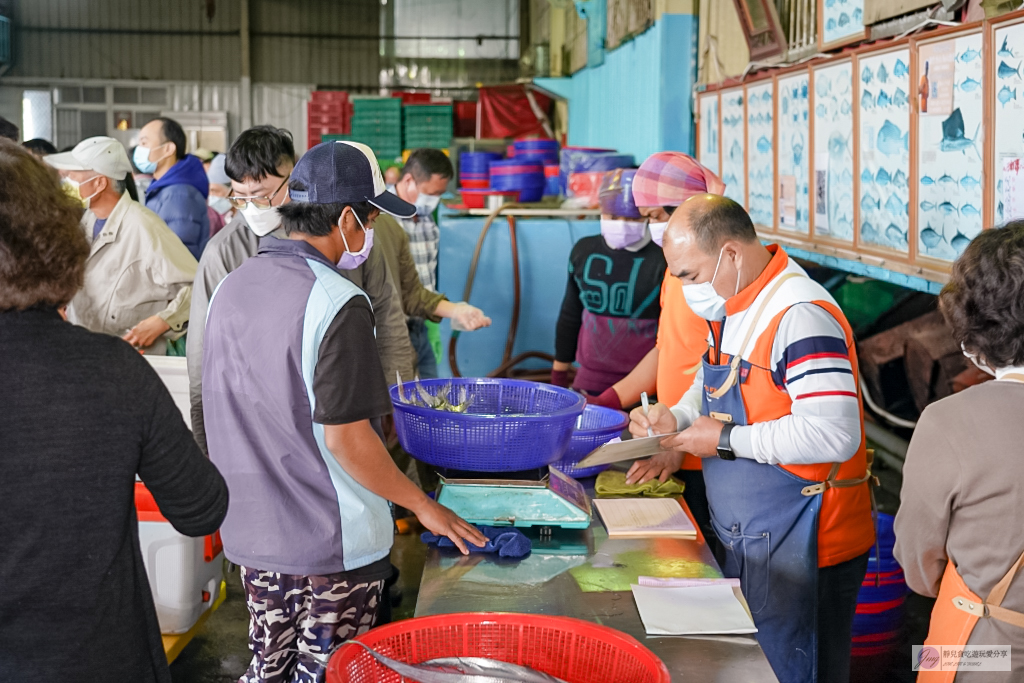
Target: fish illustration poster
[950, 148]
[841, 21]
[760, 156]
[833, 151]
[885, 150]
[707, 155]
[734, 172]
[1007, 57]
[794, 188]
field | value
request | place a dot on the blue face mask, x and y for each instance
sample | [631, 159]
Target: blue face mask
[141, 159]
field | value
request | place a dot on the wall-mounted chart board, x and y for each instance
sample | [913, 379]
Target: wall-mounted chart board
[734, 172]
[950, 95]
[840, 22]
[1008, 160]
[832, 164]
[793, 193]
[760, 153]
[885, 150]
[707, 154]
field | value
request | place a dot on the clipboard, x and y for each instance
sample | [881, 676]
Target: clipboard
[632, 449]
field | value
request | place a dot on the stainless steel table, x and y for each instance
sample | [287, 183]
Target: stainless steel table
[586, 575]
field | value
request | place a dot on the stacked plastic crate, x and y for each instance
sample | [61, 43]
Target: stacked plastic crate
[377, 123]
[427, 125]
[328, 113]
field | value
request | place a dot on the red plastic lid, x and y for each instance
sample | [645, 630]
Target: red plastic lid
[145, 505]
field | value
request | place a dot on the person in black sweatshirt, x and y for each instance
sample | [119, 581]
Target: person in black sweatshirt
[82, 414]
[609, 316]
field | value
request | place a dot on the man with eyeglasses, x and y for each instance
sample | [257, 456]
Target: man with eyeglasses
[259, 164]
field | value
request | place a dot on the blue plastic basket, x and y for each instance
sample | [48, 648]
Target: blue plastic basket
[595, 427]
[511, 425]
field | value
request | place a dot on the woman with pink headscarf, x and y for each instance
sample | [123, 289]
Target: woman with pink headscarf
[663, 182]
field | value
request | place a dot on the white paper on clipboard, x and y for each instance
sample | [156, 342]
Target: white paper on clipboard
[618, 451]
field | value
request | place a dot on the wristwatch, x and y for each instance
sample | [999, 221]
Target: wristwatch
[724, 445]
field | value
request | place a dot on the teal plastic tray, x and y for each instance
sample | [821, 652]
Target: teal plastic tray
[558, 501]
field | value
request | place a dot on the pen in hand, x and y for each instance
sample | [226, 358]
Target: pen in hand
[647, 409]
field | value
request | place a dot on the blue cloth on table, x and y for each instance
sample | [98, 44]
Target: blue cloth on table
[505, 541]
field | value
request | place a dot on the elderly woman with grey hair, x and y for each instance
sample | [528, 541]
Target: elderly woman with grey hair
[959, 534]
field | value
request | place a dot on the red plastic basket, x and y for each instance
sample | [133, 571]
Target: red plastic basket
[574, 650]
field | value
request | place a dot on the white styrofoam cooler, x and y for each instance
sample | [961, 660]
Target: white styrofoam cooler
[174, 372]
[184, 584]
[183, 581]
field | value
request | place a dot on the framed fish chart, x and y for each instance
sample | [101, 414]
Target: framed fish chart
[761, 153]
[1005, 59]
[734, 160]
[793, 197]
[832, 163]
[840, 22]
[707, 151]
[950, 152]
[884, 136]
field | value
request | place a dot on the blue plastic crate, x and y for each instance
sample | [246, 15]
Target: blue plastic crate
[511, 425]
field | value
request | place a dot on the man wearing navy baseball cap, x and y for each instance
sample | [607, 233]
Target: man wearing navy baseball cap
[293, 393]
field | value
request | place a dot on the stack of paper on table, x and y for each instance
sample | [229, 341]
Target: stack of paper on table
[691, 607]
[644, 518]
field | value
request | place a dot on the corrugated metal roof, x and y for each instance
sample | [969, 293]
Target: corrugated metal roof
[318, 41]
[332, 43]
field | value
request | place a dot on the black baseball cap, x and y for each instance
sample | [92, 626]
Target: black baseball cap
[343, 172]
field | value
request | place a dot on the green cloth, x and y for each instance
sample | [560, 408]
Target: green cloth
[434, 335]
[613, 483]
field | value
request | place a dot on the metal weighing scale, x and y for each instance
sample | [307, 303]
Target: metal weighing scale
[555, 501]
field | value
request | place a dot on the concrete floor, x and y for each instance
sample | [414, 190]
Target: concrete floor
[220, 654]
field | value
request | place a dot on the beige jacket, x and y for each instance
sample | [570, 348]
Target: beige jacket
[136, 268]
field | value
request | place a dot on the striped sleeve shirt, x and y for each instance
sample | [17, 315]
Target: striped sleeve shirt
[811, 363]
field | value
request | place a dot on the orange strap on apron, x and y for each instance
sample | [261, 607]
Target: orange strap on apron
[734, 370]
[957, 610]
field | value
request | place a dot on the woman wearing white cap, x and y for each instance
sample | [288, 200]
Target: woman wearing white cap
[138, 278]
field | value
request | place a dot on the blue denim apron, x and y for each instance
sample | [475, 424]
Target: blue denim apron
[768, 526]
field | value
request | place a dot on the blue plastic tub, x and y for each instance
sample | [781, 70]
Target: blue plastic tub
[477, 162]
[596, 426]
[511, 425]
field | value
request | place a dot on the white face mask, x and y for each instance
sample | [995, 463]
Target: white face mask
[261, 221]
[704, 300]
[426, 203]
[974, 359]
[658, 232]
[219, 204]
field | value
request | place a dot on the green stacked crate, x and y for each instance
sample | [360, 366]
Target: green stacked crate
[427, 125]
[377, 123]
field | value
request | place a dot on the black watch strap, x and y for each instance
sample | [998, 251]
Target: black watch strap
[725, 451]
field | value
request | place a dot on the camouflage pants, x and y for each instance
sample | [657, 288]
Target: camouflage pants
[295, 622]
